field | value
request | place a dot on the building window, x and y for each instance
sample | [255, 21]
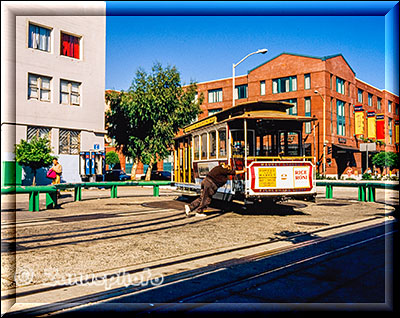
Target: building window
[396, 109]
[307, 113]
[70, 45]
[37, 132]
[379, 103]
[390, 126]
[340, 85]
[307, 81]
[291, 110]
[39, 87]
[215, 95]
[389, 106]
[284, 84]
[262, 88]
[214, 111]
[332, 116]
[369, 99]
[360, 96]
[39, 38]
[330, 81]
[70, 92]
[241, 91]
[340, 118]
[69, 142]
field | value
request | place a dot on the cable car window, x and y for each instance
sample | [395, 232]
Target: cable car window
[238, 142]
[289, 143]
[293, 144]
[204, 146]
[196, 148]
[213, 144]
[222, 143]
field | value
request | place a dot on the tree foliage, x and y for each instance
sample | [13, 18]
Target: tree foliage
[34, 154]
[112, 158]
[144, 120]
[386, 159]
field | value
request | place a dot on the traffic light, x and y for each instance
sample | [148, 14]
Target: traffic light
[329, 150]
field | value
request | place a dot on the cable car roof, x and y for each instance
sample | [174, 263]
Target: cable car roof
[273, 110]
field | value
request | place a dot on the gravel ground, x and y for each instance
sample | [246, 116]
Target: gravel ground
[97, 235]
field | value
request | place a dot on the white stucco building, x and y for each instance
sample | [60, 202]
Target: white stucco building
[59, 74]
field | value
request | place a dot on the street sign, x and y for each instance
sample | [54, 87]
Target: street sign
[369, 146]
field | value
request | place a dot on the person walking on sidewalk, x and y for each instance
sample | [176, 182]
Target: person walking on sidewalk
[58, 170]
[215, 179]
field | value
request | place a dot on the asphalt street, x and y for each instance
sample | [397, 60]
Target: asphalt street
[332, 254]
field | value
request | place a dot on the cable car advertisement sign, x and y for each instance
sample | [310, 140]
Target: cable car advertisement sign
[281, 176]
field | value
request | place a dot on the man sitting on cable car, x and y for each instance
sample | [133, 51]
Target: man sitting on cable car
[215, 179]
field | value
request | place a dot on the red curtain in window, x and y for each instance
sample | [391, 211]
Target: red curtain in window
[65, 45]
[70, 45]
[76, 47]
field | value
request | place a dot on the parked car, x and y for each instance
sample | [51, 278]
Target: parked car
[159, 175]
[116, 175]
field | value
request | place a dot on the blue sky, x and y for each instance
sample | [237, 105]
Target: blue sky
[204, 48]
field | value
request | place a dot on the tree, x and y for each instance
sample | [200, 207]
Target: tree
[34, 154]
[112, 158]
[145, 119]
[386, 159]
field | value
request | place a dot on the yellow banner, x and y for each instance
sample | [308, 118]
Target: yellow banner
[396, 133]
[371, 121]
[267, 177]
[359, 123]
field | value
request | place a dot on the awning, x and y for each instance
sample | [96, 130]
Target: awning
[343, 148]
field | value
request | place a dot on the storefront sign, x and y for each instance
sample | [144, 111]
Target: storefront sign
[371, 124]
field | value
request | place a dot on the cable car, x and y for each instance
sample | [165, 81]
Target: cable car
[260, 137]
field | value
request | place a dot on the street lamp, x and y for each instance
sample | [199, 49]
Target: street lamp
[324, 132]
[262, 51]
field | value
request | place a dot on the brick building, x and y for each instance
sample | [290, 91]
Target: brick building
[296, 78]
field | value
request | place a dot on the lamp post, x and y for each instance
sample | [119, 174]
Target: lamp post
[323, 133]
[262, 51]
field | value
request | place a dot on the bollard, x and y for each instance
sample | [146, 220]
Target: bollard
[156, 190]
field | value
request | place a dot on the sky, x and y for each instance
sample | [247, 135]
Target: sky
[203, 48]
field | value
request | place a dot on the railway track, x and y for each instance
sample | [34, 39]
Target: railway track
[225, 263]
